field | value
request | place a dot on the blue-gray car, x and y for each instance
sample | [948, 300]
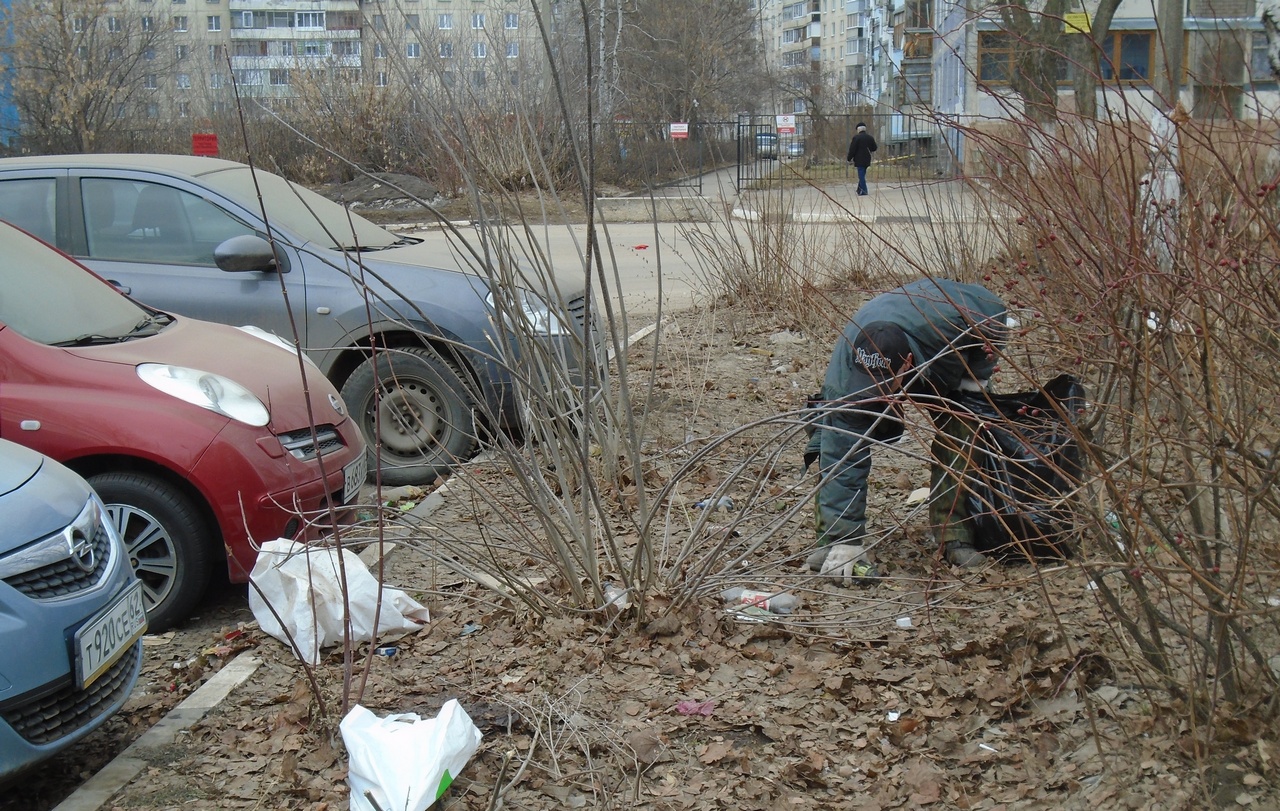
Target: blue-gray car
[421, 347]
[71, 611]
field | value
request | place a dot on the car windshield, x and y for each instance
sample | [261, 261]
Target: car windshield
[52, 300]
[301, 211]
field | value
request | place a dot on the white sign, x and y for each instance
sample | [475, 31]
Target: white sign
[786, 124]
[679, 129]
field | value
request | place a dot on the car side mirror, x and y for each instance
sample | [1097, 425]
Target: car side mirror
[244, 254]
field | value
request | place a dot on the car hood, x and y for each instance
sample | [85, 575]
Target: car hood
[403, 261]
[17, 466]
[267, 370]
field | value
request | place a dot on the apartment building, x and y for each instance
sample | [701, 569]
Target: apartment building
[922, 63]
[201, 54]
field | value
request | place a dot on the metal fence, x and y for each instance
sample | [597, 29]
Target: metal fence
[646, 156]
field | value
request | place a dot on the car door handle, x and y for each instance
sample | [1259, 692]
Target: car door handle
[122, 288]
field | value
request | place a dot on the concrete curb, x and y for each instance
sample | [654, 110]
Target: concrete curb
[128, 764]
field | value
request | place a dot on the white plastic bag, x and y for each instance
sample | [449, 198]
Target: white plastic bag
[305, 589]
[405, 762]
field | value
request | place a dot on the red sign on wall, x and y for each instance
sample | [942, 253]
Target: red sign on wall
[204, 143]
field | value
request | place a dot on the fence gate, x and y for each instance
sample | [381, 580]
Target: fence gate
[909, 149]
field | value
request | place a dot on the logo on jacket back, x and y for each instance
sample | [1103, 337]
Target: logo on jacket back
[872, 360]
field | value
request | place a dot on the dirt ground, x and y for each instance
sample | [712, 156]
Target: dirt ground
[935, 688]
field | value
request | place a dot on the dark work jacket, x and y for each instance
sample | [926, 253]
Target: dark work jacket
[860, 149]
[954, 330]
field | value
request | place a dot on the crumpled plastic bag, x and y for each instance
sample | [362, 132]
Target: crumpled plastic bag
[289, 575]
[403, 761]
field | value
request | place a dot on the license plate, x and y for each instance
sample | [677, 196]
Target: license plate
[106, 637]
[354, 475]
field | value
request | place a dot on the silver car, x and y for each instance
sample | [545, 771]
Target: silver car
[421, 354]
[70, 642]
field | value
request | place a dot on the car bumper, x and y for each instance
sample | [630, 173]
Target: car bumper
[260, 491]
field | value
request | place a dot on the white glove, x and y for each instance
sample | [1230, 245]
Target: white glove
[969, 384]
[847, 564]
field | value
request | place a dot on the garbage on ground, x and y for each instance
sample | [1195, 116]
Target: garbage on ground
[918, 496]
[405, 762]
[304, 587]
[617, 596]
[690, 707]
[774, 602]
[903, 622]
[723, 503]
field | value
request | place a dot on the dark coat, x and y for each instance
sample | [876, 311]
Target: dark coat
[954, 330]
[860, 149]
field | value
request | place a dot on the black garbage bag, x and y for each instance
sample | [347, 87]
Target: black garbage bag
[1026, 459]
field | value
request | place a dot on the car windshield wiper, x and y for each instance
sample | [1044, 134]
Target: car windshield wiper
[150, 325]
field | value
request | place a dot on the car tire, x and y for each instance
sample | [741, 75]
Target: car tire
[423, 422]
[170, 545]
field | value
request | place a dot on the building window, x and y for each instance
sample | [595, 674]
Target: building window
[120, 111]
[113, 25]
[115, 53]
[148, 54]
[444, 22]
[78, 25]
[380, 80]
[246, 19]
[446, 50]
[149, 81]
[184, 81]
[147, 23]
[279, 77]
[153, 110]
[182, 51]
[511, 21]
[411, 22]
[995, 56]
[217, 53]
[346, 48]
[284, 48]
[1126, 57]
[312, 49]
[513, 50]
[412, 50]
[479, 50]
[214, 22]
[379, 22]
[446, 78]
[215, 81]
[379, 51]
[82, 53]
[310, 20]
[1259, 65]
[180, 23]
[184, 109]
[477, 21]
[477, 79]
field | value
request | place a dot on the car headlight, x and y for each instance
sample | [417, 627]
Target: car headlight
[219, 394]
[537, 314]
[275, 340]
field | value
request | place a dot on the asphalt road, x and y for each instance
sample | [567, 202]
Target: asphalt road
[647, 264]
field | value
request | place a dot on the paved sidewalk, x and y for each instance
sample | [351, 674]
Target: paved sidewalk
[933, 200]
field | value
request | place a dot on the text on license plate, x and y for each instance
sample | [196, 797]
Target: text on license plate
[354, 475]
[106, 637]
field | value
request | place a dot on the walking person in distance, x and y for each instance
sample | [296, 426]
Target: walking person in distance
[860, 149]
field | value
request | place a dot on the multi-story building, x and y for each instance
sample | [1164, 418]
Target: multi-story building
[926, 60]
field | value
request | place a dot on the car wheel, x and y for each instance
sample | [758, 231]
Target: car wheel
[414, 405]
[168, 542]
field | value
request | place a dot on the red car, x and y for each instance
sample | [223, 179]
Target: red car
[197, 436]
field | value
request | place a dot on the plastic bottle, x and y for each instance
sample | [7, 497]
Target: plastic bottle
[772, 601]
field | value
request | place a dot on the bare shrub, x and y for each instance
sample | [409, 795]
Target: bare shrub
[1147, 273]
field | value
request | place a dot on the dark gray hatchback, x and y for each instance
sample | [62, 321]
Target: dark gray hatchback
[425, 356]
